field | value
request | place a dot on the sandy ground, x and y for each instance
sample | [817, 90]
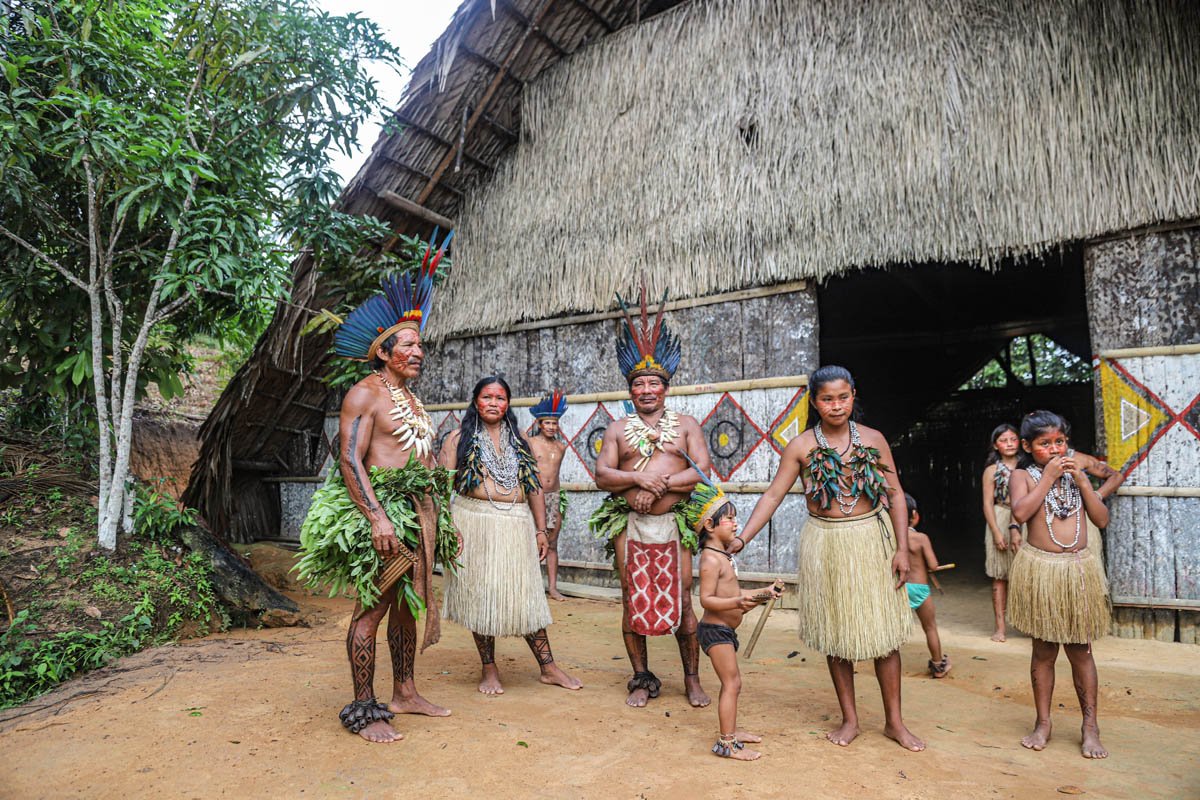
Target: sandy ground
[253, 714]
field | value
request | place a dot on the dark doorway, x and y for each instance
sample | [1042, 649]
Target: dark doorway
[942, 353]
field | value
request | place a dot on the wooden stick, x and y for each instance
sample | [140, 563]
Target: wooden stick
[942, 567]
[758, 629]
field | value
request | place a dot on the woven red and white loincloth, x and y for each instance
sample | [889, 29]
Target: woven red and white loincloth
[652, 574]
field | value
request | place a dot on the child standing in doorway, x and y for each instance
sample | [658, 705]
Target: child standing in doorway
[1059, 595]
[1003, 535]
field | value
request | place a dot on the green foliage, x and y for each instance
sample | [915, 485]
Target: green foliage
[29, 667]
[156, 515]
[173, 153]
[1030, 360]
[336, 537]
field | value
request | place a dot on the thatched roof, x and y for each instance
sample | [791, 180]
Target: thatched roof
[458, 119]
[735, 143]
[721, 144]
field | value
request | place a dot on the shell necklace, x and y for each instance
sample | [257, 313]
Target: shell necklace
[645, 440]
[1061, 501]
[414, 429]
[846, 493]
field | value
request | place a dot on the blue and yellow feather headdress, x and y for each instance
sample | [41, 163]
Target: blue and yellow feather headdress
[553, 406]
[706, 499]
[405, 303]
[652, 350]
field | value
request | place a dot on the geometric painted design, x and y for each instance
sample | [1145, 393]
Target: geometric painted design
[1134, 417]
[1191, 417]
[449, 424]
[586, 442]
[654, 591]
[792, 422]
[731, 436]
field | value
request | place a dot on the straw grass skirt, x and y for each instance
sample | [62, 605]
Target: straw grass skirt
[997, 563]
[848, 604]
[1059, 597]
[498, 589]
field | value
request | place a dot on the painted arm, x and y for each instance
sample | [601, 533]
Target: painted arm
[1093, 504]
[355, 427]
[897, 509]
[1101, 471]
[764, 509]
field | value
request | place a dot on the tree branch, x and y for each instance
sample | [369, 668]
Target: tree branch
[32, 249]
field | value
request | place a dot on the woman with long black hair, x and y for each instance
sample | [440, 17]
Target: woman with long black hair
[499, 512]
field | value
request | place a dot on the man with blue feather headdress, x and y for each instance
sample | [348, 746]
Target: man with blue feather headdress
[381, 519]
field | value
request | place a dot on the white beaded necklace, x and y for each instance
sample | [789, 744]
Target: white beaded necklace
[1063, 500]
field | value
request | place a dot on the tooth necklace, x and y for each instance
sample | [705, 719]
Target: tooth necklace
[414, 429]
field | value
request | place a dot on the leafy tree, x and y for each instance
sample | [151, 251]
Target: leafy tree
[161, 164]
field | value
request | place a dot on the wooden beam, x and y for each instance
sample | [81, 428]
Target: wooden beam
[409, 207]
[1157, 602]
[672, 305]
[420, 173]
[1159, 491]
[481, 105]
[496, 126]
[444, 142]
[783, 382]
[1140, 352]
[531, 26]
[482, 59]
[596, 15]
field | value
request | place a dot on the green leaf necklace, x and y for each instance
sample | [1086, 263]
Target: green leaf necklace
[833, 480]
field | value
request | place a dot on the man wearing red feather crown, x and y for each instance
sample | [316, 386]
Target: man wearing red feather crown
[642, 464]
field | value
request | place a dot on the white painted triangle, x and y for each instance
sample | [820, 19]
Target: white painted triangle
[791, 431]
[1133, 419]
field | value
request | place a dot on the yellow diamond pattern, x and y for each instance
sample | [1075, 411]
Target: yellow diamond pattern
[1131, 419]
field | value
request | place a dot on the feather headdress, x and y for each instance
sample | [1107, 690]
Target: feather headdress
[647, 349]
[553, 406]
[706, 499]
[405, 303]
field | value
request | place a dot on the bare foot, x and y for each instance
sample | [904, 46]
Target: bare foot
[555, 594]
[638, 698]
[743, 755]
[998, 636]
[843, 735]
[416, 705]
[695, 695]
[380, 733]
[1091, 744]
[1037, 738]
[904, 737]
[743, 736]
[552, 675]
[489, 684]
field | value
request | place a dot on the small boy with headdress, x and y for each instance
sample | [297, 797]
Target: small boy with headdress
[711, 514]
[922, 562]
[548, 448]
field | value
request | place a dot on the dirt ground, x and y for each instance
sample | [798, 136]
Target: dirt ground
[253, 714]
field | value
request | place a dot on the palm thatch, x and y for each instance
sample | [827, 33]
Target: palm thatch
[733, 143]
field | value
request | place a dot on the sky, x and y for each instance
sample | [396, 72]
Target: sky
[410, 25]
